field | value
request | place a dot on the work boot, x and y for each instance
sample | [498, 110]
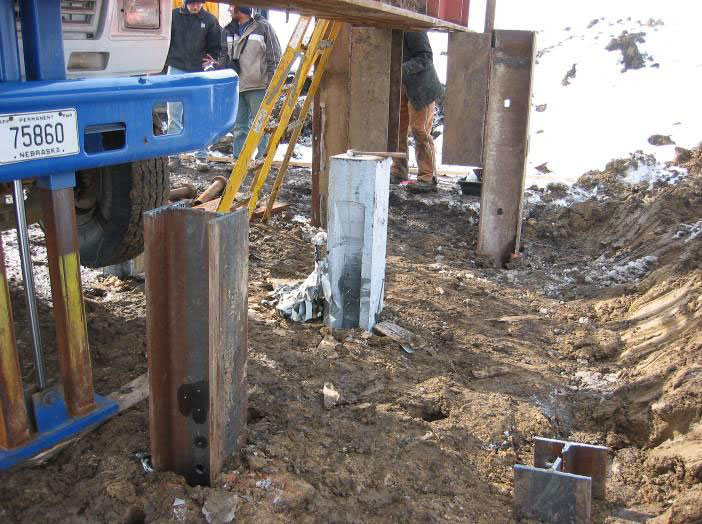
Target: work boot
[202, 166]
[396, 178]
[423, 186]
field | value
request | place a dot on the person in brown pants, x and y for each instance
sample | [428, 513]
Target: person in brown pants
[421, 89]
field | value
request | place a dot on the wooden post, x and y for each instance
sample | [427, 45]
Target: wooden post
[490, 9]
[506, 144]
[14, 422]
[196, 329]
[398, 38]
[354, 98]
[67, 294]
[317, 117]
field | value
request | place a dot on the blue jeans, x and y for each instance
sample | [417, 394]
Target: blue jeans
[175, 117]
[249, 102]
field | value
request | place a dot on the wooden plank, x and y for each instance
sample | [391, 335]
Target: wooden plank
[408, 341]
[315, 216]
[513, 319]
[396, 52]
[490, 8]
[465, 105]
[310, 165]
[367, 13]
[126, 397]
[371, 55]
[506, 144]
[196, 361]
[354, 98]
[228, 160]
[335, 104]
[211, 207]
[132, 393]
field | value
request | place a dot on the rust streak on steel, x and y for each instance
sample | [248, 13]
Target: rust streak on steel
[579, 459]
[69, 310]
[196, 337]
[14, 422]
[316, 158]
[506, 144]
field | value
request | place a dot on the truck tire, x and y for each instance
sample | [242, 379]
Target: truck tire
[110, 205]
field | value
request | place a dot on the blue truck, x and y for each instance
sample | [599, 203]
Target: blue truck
[79, 106]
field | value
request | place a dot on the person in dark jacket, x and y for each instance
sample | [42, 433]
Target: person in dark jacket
[195, 35]
[421, 89]
[250, 47]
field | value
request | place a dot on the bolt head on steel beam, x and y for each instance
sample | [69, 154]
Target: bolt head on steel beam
[196, 286]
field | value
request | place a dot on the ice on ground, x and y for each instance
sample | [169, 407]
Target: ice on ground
[597, 381]
[656, 173]
[689, 231]
[622, 273]
[602, 272]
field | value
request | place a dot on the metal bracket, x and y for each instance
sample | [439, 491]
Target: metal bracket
[561, 485]
[54, 424]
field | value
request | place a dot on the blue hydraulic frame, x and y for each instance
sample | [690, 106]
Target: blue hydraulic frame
[124, 105]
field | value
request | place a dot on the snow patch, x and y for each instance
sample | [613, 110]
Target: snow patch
[689, 231]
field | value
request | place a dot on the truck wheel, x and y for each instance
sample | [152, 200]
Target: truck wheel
[110, 202]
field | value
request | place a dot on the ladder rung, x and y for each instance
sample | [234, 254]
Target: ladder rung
[294, 126]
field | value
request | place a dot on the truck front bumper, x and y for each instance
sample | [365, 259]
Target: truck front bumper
[124, 106]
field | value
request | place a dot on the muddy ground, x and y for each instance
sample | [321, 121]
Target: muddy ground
[613, 357]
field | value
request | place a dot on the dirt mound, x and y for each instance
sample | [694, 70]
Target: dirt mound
[647, 397]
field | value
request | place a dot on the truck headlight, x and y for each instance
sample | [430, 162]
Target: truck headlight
[142, 14]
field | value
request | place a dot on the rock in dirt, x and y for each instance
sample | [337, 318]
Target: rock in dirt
[660, 140]
[627, 43]
[331, 395]
[543, 168]
[569, 76]
[255, 462]
[513, 319]
[220, 507]
[489, 371]
[295, 495]
[541, 108]
[327, 347]
[682, 155]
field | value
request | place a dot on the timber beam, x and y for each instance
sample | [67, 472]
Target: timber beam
[360, 13]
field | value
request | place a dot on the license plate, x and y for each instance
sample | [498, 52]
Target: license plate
[32, 136]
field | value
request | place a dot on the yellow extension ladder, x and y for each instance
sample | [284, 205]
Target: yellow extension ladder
[313, 53]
